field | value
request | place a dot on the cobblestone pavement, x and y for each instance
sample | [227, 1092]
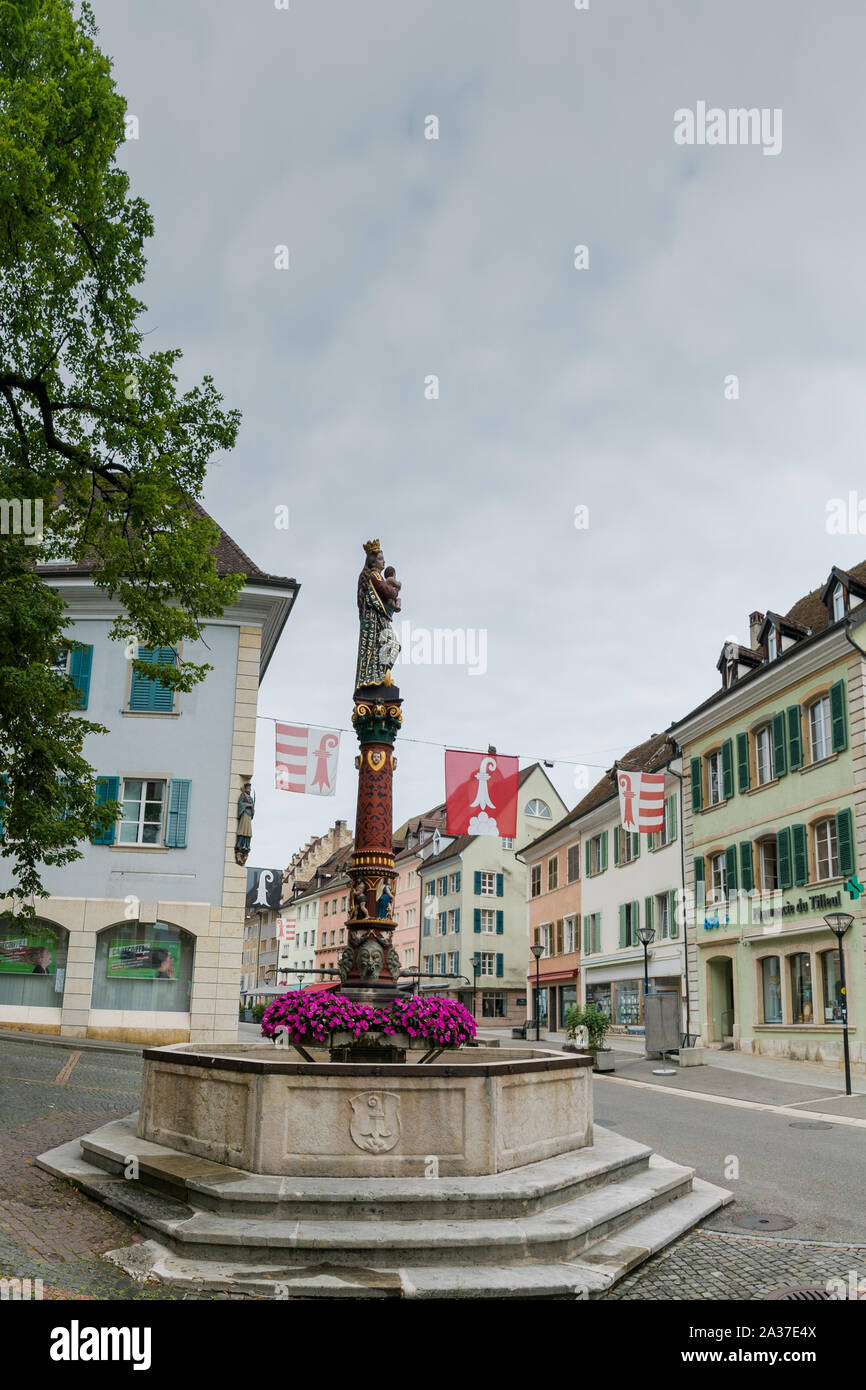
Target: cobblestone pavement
[51, 1231]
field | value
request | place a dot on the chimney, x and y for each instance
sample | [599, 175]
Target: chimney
[755, 621]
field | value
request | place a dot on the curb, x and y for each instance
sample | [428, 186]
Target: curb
[73, 1044]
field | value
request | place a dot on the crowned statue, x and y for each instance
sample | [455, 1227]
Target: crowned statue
[378, 601]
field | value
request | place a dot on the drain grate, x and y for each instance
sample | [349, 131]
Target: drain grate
[765, 1221]
[810, 1124]
[801, 1293]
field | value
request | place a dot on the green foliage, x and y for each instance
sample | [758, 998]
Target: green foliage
[593, 1020]
[92, 426]
[258, 1012]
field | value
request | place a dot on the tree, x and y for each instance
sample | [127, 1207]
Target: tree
[94, 430]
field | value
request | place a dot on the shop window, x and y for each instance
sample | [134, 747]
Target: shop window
[143, 965]
[626, 1002]
[826, 850]
[771, 988]
[599, 997]
[800, 966]
[494, 1005]
[831, 986]
[32, 963]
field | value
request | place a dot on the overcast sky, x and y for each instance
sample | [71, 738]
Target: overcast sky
[602, 387]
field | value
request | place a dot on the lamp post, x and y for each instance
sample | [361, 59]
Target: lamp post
[476, 966]
[538, 952]
[646, 936]
[839, 922]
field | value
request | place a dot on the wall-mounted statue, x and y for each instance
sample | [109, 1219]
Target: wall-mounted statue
[246, 811]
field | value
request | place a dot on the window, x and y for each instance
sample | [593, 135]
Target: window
[324, 909]
[453, 963]
[488, 885]
[507, 842]
[494, 1005]
[597, 853]
[668, 832]
[342, 935]
[333, 936]
[820, 735]
[488, 963]
[152, 695]
[32, 963]
[772, 644]
[552, 873]
[342, 904]
[771, 989]
[768, 865]
[544, 938]
[410, 916]
[714, 778]
[143, 965]
[572, 871]
[591, 937]
[455, 883]
[443, 923]
[831, 986]
[663, 915]
[535, 881]
[763, 756]
[443, 886]
[629, 845]
[409, 955]
[453, 919]
[488, 919]
[427, 964]
[800, 966]
[718, 881]
[430, 889]
[538, 808]
[141, 818]
[826, 850]
[838, 603]
[570, 943]
[631, 914]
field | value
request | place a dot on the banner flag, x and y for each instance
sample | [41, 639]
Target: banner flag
[641, 800]
[480, 793]
[306, 759]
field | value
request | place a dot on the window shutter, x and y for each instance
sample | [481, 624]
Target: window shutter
[616, 846]
[477, 882]
[795, 739]
[801, 859]
[623, 927]
[500, 885]
[603, 850]
[651, 836]
[426, 926]
[477, 923]
[457, 882]
[635, 839]
[457, 919]
[783, 857]
[696, 784]
[587, 935]
[845, 842]
[747, 872]
[635, 919]
[672, 913]
[500, 923]
[107, 789]
[588, 863]
[699, 868]
[500, 966]
[743, 776]
[596, 931]
[780, 761]
[4, 782]
[80, 662]
[671, 812]
[727, 769]
[648, 912]
[837, 716]
[456, 962]
[731, 868]
[178, 813]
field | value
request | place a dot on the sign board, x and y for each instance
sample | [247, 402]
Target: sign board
[662, 1020]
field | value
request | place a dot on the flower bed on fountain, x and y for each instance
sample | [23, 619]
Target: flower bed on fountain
[344, 1025]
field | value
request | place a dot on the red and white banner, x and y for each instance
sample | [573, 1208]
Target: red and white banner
[306, 759]
[286, 929]
[480, 794]
[641, 800]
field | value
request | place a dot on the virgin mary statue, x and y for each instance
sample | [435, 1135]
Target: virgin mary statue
[378, 647]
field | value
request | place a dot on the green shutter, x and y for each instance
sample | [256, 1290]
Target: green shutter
[727, 769]
[616, 846]
[845, 842]
[500, 885]
[780, 761]
[743, 776]
[80, 662]
[596, 932]
[587, 935]
[696, 784]
[178, 813]
[783, 856]
[477, 920]
[588, 863]
[500, 923]
[747, 871]
[837, 716]
[671, 814]
[672, 913]
[731, 869]
[4, 782]
[603, 850]
[477, 882]
[500, 966]
[795, 739]
[635, 921]
[623, 927]
[635, 845]
[107, 789]
[699, 868]
[801, 860]
[648, 912]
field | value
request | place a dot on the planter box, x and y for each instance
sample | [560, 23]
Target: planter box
[604, 1060]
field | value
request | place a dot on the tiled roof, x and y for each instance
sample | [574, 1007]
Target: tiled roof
[457, 846]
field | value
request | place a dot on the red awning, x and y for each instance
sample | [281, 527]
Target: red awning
[320, 985]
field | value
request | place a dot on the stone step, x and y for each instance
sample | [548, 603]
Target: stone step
[213, 1187]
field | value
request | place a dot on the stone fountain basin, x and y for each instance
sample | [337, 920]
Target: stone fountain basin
[475, 1111]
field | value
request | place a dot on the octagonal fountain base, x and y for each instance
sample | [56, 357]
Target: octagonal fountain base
[479, 1176]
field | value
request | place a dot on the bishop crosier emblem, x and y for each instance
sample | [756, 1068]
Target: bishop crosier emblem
[375, 1124]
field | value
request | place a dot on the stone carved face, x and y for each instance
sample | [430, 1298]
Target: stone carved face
[369, 962]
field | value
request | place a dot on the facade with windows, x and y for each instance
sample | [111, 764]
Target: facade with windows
[141, 939]
[775, 827]
[473, 911]
[553, 875]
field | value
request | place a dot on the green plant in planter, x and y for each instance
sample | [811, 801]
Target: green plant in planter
[593, 1020]
[258, 1012]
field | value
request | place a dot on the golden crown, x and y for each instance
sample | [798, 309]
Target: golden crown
[372, 547]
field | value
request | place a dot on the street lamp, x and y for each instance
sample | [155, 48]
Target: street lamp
[839, 922]
[476, 966]
[646, 936]
[538, 951]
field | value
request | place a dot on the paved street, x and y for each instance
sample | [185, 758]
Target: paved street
[811, 1177]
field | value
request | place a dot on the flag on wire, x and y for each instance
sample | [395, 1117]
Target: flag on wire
[641, 800]
[306, 759]
[480, 793]
[286, 929]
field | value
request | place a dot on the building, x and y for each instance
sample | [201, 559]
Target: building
[304, 861]
[775, 826]
[411, 840]
[553, 883]
[141, 938]
[474, 910]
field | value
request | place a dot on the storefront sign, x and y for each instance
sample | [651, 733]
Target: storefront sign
[144, 960]
[28, 953]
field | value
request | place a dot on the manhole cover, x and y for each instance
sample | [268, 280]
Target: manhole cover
[809, 1124]
[802, 1293]
[765, 1221]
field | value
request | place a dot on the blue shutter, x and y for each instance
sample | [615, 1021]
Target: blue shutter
[107, 789]
[500, 923]
[152, 695]
[500, 885]
[456, 962]
[477, 926]
[80, 663]
[500, 964]
[457, 882]
[178, 813]
[457, 919]
[477, 882]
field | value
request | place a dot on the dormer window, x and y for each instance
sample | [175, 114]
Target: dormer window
[772, 644]
[838, 602]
